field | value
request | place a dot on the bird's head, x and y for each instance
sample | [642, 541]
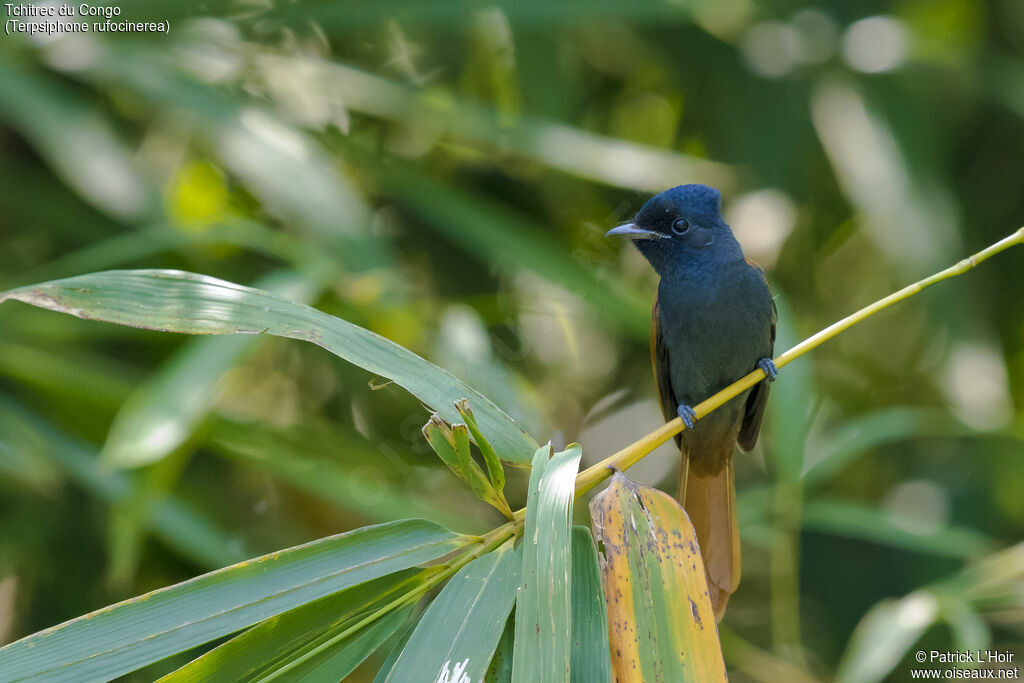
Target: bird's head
[681, 225]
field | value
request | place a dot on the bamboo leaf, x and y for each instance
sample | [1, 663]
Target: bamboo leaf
[451, 443]
[500, 669]
[590, 661]
[258, 649]
[164, 411]
[459, 631]
[494, 470]
[544, 606]
[123, 637]
[659, 612]
[441, 437]
[338, 661]
[176, 301]
[401, 639]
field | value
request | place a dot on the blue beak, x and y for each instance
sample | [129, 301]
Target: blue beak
[632, 231]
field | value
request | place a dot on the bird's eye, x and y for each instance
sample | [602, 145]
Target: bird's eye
[680, 226]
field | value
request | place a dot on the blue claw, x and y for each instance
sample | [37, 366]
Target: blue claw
[686, 412]
[768, 365]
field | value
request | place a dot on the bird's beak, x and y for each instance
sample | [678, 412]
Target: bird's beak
[632, 231]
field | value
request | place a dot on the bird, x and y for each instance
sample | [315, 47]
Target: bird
[713, 322]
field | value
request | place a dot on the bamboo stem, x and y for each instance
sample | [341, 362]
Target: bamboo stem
[633, 453]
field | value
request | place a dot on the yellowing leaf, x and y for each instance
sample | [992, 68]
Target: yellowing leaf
[661, 627]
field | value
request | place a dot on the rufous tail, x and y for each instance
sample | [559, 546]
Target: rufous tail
[711, 504]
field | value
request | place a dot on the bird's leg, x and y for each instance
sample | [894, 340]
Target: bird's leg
[768, 365]
[686, 412]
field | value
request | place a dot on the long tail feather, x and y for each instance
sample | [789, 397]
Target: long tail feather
[711, 504]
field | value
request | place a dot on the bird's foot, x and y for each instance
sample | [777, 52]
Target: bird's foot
[768, 365]
[686, 412]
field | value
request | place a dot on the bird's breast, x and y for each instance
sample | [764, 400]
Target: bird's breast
[716, 330]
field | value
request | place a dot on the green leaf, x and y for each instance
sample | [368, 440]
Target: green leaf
[400, 640]
[176, 301]
[123, 637]
[500, 669]
[341, 658]
[494, 470]
[458, 633]
[257, 649]
[661, 625]
[451, 443]
[165, 410]
[590, 660]
[544, 606]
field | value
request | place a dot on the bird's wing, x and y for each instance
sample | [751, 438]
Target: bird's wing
[660, 363]
[756, 401]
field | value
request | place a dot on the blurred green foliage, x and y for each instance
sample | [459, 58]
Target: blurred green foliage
[442, 173]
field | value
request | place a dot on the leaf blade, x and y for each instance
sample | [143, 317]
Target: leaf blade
[274, 638]
[590, 660]
[177, 301]
[130, 634]
[544, 606]
[651, 563]
[484, 592]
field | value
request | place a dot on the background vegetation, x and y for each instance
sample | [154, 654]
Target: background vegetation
[443, 173]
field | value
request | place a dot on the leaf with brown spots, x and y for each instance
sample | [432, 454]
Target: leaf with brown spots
[661, 627]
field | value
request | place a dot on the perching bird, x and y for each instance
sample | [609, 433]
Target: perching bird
[713, 323]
